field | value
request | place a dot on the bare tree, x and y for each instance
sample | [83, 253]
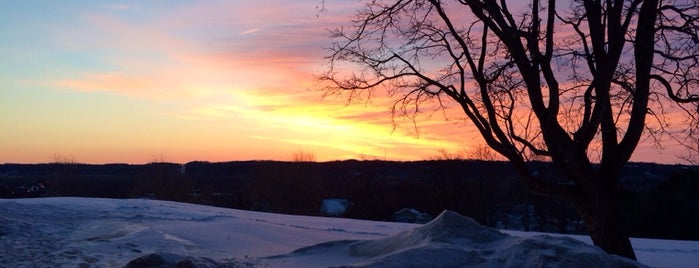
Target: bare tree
[303, 156]
[443, 154]
[578, 84]
[63, 159]
[691, 142]
[482, 152]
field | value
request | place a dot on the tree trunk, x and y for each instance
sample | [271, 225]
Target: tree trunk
[603, 221]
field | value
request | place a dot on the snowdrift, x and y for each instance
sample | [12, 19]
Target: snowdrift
[93, 232]
[452, 240]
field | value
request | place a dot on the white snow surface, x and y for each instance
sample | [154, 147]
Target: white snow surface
[94, 232]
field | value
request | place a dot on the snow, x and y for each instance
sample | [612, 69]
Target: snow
[92, 232]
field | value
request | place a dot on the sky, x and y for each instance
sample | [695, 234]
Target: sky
[178, 81]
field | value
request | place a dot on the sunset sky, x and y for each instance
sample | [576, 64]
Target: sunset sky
[143, 81]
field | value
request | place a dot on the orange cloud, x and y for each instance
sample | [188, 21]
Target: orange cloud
[257, 82]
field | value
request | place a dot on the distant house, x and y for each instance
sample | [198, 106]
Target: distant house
[24, 190]
[410, 215]
[334, 207]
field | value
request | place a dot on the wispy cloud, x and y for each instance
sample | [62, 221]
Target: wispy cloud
[253, 30]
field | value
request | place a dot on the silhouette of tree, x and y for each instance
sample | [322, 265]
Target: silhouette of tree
[303, 156]
[579, 84]
[443, 154]
[482, 152]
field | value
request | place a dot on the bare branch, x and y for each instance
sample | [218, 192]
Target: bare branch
[545, 80]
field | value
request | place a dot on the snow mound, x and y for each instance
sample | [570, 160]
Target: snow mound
[452, 240]
[448, 228]
[108, 231]
[166, 260]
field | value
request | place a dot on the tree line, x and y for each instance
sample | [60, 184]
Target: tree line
[654, 196]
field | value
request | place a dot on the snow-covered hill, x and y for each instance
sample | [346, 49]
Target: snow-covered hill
[90, 232]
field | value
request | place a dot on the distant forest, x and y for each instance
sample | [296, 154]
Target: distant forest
[661, 201]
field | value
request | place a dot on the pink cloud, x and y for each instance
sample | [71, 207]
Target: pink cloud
[230, 73]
